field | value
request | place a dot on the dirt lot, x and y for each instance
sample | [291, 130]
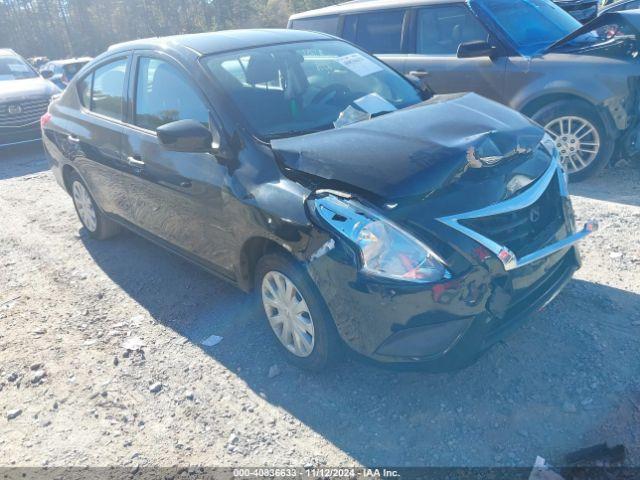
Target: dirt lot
[71, 395]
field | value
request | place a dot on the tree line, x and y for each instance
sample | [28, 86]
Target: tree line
[68, 28]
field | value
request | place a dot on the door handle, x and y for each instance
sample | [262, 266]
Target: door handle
[135, 162]
[419, 73]
[73, 139]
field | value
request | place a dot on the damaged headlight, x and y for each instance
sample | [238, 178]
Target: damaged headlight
[385, 249]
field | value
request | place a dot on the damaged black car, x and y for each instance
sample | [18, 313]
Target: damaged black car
[361, 212]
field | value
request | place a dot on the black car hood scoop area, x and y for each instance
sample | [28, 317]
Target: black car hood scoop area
[415, 151]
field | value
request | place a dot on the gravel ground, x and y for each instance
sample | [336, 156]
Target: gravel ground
[71, 394]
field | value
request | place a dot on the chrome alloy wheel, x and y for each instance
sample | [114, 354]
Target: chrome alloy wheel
[577, 139]
[84, 205]
[288, 314]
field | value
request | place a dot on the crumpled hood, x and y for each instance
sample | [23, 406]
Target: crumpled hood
[415, 151]
[11, 90]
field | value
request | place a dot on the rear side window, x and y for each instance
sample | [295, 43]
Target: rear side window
[102, 91]
[165, 95]
[319, 24]
[378, 32]
[442, 29]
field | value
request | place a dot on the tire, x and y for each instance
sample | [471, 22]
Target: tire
[327, 347]
[92, 218]
[549, 117]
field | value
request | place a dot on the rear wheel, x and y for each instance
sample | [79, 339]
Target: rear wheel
[296, 313]
[97, 224]
[584, 146]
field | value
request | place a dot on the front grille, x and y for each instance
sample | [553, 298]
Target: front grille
[30, 112]
[523, 231]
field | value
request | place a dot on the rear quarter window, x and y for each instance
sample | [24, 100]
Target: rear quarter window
[319, 24]
[84, 90]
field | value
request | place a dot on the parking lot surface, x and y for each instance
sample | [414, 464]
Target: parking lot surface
[71, 393]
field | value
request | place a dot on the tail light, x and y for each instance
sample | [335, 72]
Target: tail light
[44, 119]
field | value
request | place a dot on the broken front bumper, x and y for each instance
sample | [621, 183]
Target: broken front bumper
[447, 325]
[443, 326]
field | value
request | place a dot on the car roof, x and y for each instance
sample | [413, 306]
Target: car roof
[222, 41]
[356, 6]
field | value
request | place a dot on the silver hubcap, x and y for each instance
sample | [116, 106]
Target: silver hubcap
[84, 205]
[577, 140]
[288, 314]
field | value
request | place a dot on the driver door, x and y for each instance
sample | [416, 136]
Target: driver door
[438, 32]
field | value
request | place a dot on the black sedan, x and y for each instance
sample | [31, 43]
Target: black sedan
[290, 163]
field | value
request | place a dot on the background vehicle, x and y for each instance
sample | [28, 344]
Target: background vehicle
[24, 98]
[37, 62]
[544, 70]
[297, 165]
[582, 10]
[61, 72]
[621, 6]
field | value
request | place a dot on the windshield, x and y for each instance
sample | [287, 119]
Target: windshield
[297, 88]
[14, 68]
[531, 25]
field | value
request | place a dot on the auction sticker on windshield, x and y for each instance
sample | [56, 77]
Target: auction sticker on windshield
[359, 64]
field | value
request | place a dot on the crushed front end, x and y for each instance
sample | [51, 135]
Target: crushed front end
[501, 263]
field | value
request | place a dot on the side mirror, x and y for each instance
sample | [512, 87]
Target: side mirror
[187, 136]
[47, 74]
[476, 49]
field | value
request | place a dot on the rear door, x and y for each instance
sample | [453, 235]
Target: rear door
[92, 136]
[436, 33]
[177, 196]
[381, 33]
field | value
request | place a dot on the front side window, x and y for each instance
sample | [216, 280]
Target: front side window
[108, 89]
[164, 95]
[14, 68]
[380, 32]
[441, 30]
[296, 88]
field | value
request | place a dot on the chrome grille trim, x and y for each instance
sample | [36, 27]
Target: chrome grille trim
[524, 200]
[32, 110]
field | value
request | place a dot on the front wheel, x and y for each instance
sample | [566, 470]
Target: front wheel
[296, 313]
[582, 141]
